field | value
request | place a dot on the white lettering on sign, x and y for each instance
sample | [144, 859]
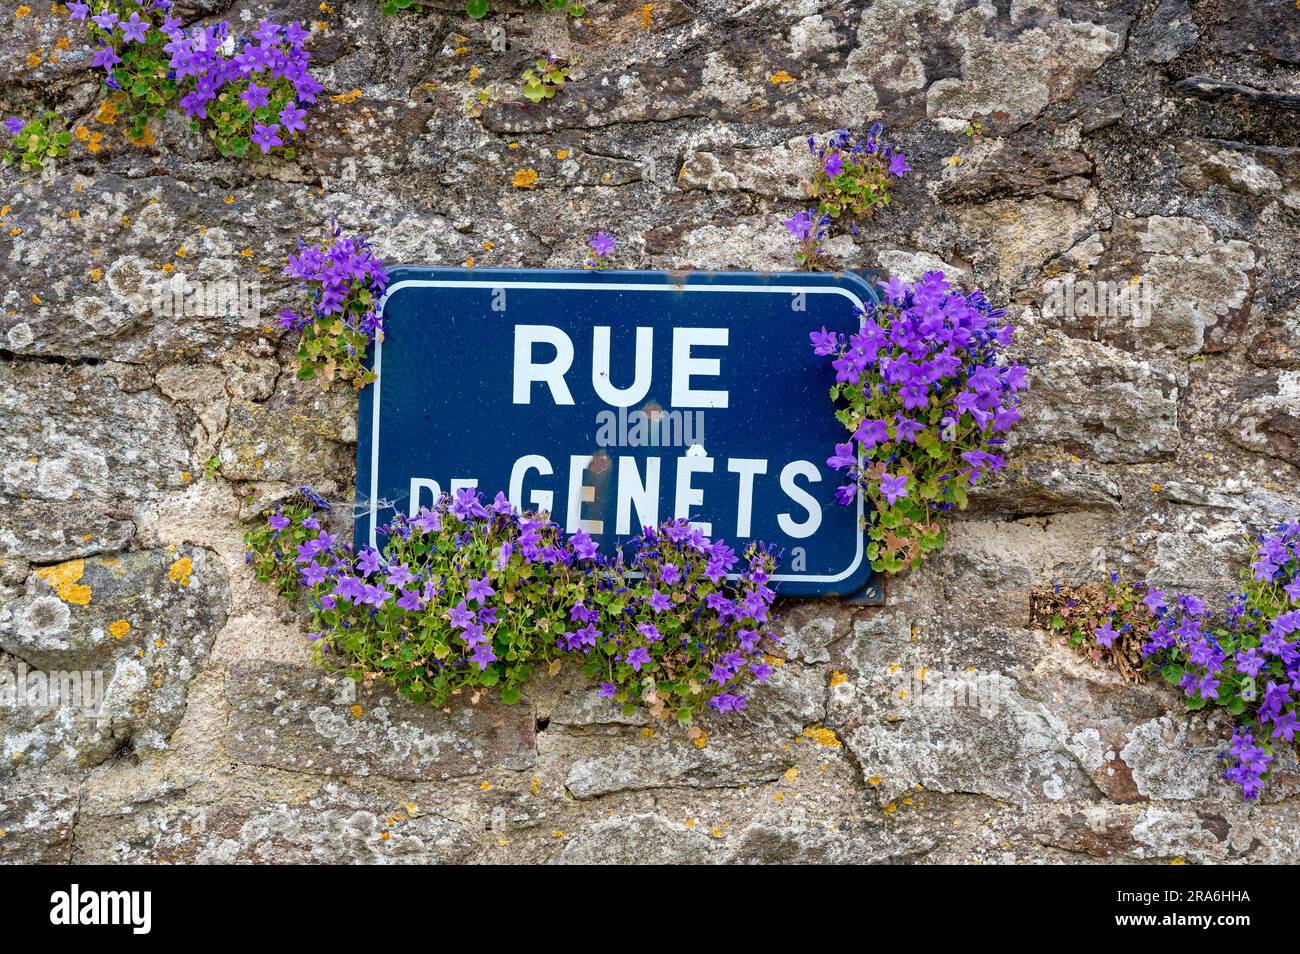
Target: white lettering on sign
[551, 373]
[544, 355]
[579, 494]
[686, 366]
[529, 369]
[542, 500]
[605, 390]
[639, 492]
[689, 496]
[746, 467]
[808, 526]
[632, 490]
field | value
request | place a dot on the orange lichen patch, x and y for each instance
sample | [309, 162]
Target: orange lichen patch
[74, 593]
[791, 774]
[22, 12]
[107, 113]
[838, 677]
[823, 736]
[119, 628]
[647, 12]
[351, 96]
[561, 154]
[64, 578]
[181, 570]
[144, 139]
[524, 178]
[780, 77]
[356, 711]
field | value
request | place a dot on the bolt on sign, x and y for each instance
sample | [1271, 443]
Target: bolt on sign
[615, 400]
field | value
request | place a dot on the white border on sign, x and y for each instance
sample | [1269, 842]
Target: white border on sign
[589, 286]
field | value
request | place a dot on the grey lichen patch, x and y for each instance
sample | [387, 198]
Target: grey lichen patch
[640, 839]
[298, 718]
[743, 749]
[85, 439]
[36, 823]
[334, 825]
[133, 629]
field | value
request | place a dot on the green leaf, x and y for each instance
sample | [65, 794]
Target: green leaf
[477, 9]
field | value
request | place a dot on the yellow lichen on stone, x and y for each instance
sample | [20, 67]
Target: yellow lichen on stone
[524, 178]
[63, 578]
[119, 628]
[181, 570]
[838, 677]
[823, 736]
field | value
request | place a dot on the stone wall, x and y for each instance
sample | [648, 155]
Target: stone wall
[1123, 139]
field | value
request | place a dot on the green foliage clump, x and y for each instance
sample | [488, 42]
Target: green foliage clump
[854, 177]
[35, 141]
[1074, 611]
[545, 78]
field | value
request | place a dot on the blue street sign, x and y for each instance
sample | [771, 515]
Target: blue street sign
[617, 399]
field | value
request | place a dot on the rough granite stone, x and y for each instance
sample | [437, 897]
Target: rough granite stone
[298, 718]
[105, 650]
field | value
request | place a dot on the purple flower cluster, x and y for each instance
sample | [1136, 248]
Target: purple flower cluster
[841, 147]
[929, 391]
[210, 67]
[602, 245]
[476, 592]
[1251, 665]
[1251, 766]
[334, 273]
